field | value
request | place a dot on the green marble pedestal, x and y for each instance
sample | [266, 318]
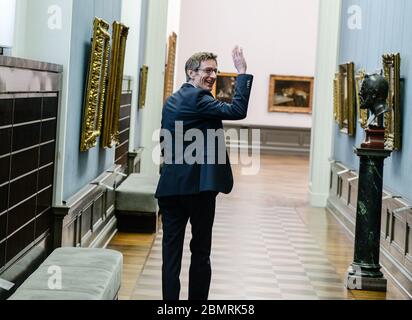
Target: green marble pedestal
[364, 273]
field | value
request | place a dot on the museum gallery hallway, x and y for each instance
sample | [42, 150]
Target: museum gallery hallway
[267, 244]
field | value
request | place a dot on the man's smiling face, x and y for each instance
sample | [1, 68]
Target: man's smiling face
[205, 76]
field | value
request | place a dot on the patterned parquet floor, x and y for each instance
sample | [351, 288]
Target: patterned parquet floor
[268, 244]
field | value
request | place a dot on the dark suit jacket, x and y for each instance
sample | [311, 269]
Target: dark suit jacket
[194, 108]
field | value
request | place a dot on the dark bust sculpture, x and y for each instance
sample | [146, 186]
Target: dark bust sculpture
[364, 273]
[373, 96]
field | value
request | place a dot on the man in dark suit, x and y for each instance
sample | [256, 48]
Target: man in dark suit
[195, 168]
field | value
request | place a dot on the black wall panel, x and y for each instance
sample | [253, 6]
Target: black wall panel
[122, 148]
[27, 110]
[6, 112]
[27, 156]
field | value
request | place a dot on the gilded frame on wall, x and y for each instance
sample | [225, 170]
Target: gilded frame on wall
[144, 74]
[363, 115]
[170, 66]
[224, 88]
[346, 98]
[337, 105]
[393, 118]
[110, 135]
[292, 94]
[96, 85]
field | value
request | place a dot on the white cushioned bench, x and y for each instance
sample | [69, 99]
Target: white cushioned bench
[136, 205]
[86, 274]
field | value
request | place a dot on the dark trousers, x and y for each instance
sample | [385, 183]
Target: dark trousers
[176, 212]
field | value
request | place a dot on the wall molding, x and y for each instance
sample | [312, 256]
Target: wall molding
[273, 140]
[87, 219]
[396, 223]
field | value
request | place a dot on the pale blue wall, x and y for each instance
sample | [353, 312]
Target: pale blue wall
[81, 168]
[387, 27]
[33, 35]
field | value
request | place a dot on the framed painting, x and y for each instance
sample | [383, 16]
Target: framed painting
[170, 66]
[224, 88]
[393, 120]
[292, 94]
[143, 78]
[337, 101]
[111, 118]
[347, 98]
[363, 114]
[96, 85]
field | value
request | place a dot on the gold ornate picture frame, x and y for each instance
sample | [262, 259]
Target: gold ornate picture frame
[144, 74]
[170, 67]
[292, 94]
[346, 98]
[393, 118]
[95, 85]
[363, 114]
[110, 135]
[337, 100]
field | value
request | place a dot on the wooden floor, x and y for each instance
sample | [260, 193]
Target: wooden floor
[268, 244]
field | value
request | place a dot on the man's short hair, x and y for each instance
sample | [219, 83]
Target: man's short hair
[194, 61]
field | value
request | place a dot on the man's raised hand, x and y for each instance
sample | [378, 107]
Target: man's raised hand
[239, 60]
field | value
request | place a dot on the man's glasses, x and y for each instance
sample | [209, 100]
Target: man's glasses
[209, 71]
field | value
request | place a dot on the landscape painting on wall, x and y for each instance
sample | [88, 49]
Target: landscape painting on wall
[290, 94]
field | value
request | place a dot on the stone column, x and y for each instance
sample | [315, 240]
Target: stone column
[364, 273]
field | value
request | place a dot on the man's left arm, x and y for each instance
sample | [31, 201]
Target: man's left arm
[208, 107]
